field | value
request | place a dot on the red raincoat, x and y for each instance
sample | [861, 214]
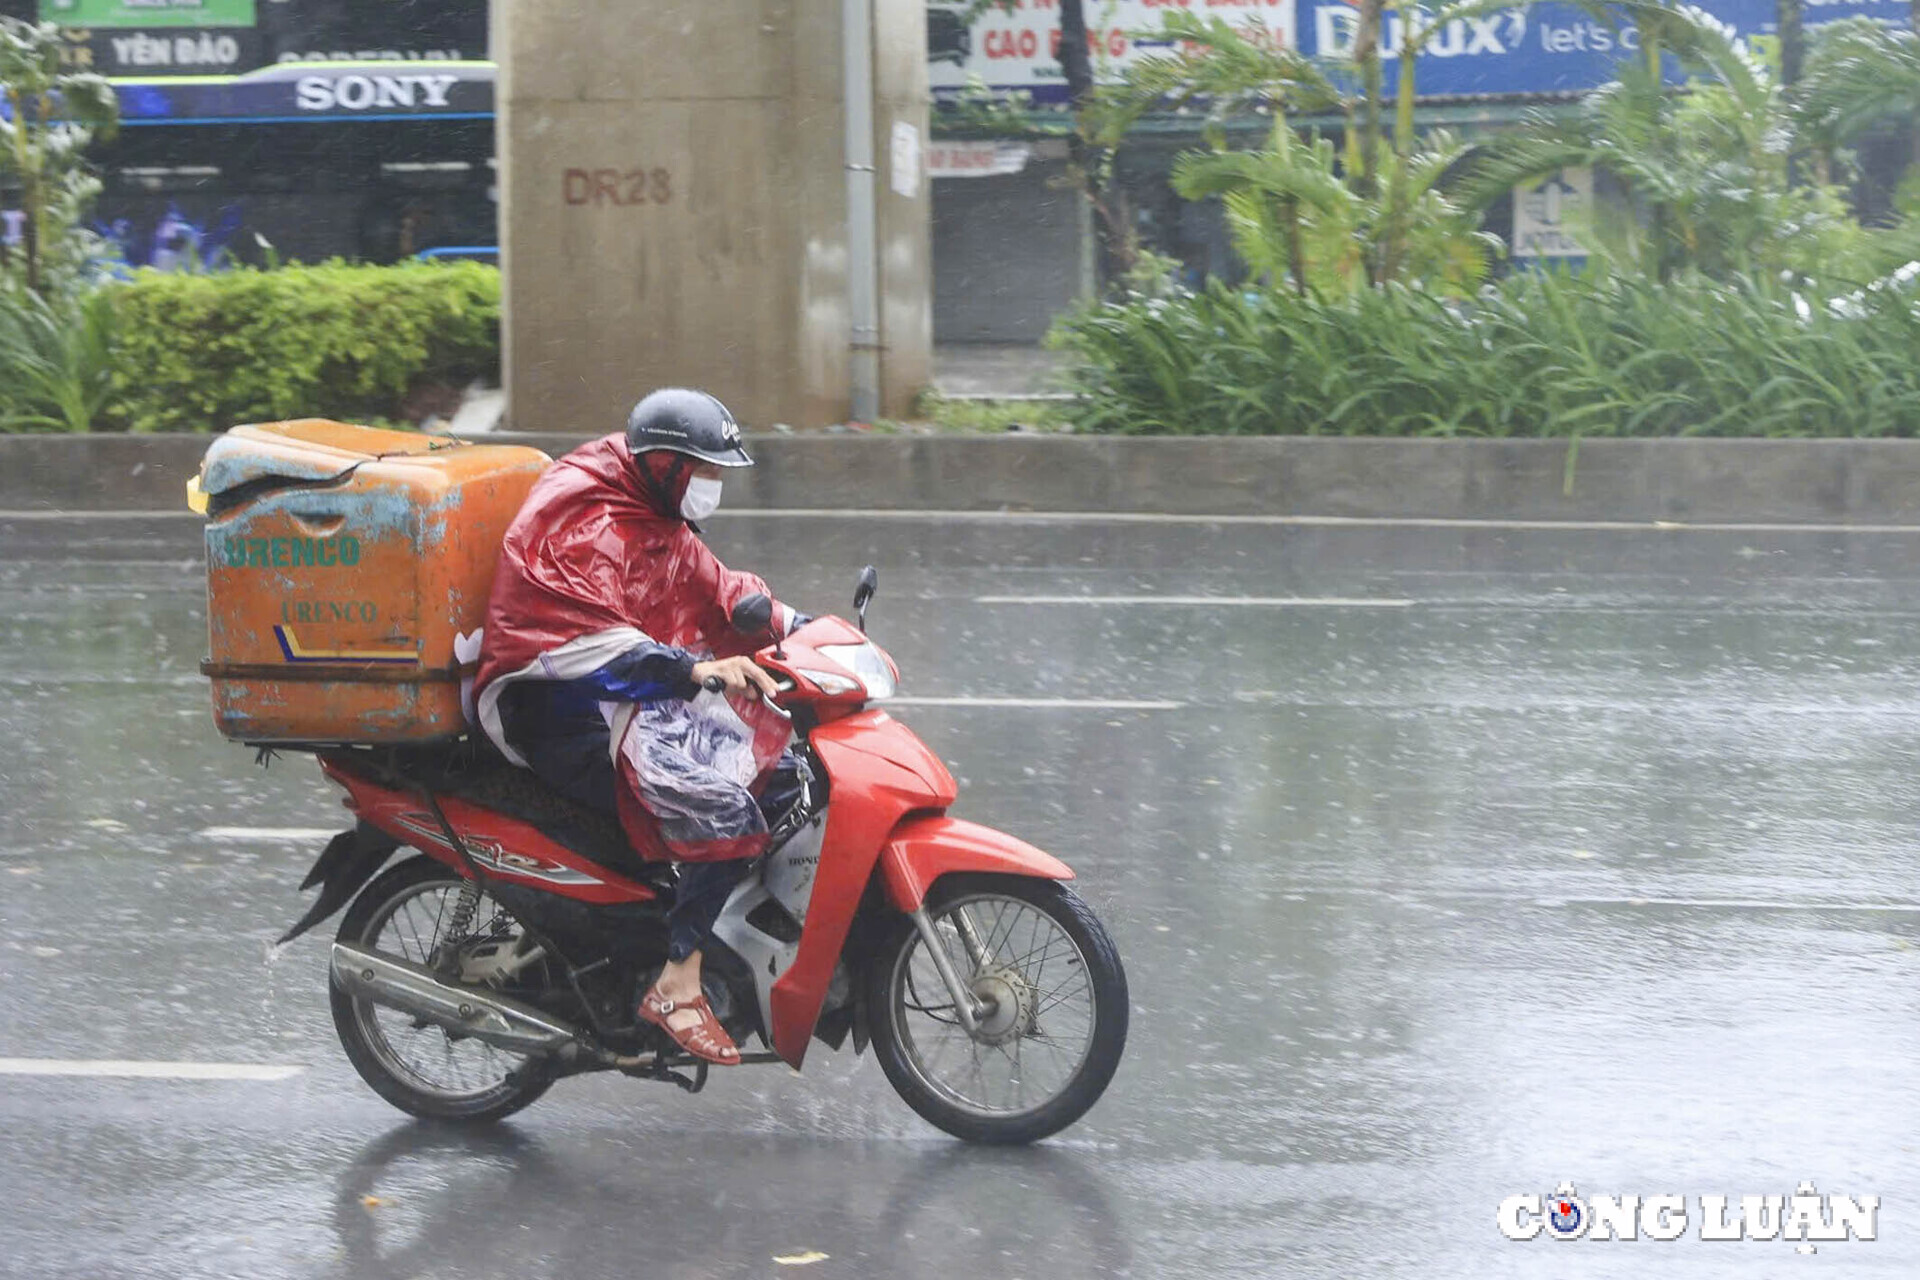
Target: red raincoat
[592, 567]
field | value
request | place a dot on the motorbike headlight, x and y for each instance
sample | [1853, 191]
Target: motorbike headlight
[867, 662]
[831, 683]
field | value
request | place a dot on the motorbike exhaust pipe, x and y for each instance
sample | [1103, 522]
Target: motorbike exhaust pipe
[489, 1016]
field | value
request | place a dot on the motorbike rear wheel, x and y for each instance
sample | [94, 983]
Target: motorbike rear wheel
[418, 1067]
[1057, 1009]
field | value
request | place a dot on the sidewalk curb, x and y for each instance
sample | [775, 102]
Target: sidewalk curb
[1682, 481]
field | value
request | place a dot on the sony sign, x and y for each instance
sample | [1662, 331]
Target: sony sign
[367, 92]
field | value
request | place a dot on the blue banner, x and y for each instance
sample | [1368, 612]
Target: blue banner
[301, 92]
[1542, 48]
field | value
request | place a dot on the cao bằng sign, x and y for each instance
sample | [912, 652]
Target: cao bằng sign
[975, 159]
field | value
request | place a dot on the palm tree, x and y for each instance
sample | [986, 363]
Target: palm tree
[1704, 169]
[1091, 163]
[1859, 73]
[1788, 20]
[1413, 178]
[1294, 207]
[1229, 72]
[1291, 194]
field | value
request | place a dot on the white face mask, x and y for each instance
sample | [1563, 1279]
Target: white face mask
[701, 499]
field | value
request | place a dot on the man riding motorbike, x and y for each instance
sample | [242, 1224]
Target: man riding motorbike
[609, 666]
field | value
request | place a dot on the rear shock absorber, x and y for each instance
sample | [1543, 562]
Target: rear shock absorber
[460, 924]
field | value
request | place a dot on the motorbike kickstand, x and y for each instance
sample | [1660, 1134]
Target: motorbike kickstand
[656, 1068]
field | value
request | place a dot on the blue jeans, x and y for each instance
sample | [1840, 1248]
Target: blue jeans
[697, 901]
[704, 886]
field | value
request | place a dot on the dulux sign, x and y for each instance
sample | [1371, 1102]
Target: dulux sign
[1539, 48]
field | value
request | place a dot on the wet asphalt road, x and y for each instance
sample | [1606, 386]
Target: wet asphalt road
[1595, 861]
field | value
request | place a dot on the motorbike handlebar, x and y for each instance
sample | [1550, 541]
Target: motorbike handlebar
[714, 684]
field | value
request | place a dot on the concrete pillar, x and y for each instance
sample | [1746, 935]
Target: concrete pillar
[905, 239]
[673, 207]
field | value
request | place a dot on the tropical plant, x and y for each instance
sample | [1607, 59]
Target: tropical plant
[1228, 72]
[1223, 71]
[1413, 176]
[1859, 73]
[1533, 354]
[1703, 172]
[1296, 209]
[50, 117]
[1291, 196]
[56, 359]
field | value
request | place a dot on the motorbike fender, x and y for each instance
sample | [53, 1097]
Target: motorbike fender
[342, 870]
[879, 772]
[922, 849]
[884, 741]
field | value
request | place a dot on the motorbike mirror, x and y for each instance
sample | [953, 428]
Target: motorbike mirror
[863, 593]
[753, 615]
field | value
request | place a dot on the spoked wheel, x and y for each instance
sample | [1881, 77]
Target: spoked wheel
[1054, 1017]
[417, 911]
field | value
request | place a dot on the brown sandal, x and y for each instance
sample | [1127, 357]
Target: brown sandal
[705, 1039]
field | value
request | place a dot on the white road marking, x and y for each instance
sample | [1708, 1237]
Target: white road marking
[95, 516]
[147, 1070]
[1745, 904]
[1553, 900]
[267, 833]
[1257, 602]
[1064, 704]
[1325, 522]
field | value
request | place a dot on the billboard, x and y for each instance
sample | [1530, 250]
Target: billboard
[318, 93]
[1019, 48]
[1540, 48]
[148, 13]
[147, 39]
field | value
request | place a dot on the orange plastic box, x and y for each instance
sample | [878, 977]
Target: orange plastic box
[342, 562]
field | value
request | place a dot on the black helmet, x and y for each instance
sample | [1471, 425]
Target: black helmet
[684, 421]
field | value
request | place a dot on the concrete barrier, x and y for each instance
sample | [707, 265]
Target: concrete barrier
[1790, 481]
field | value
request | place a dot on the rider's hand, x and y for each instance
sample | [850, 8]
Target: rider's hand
[737, 674]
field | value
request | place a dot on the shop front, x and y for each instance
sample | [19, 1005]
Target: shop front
[297, 129]
[1474, 75]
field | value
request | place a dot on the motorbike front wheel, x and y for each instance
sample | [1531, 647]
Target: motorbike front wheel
[415, 911]
[1054, 1009]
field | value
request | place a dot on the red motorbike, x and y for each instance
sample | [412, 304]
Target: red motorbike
[513, 952]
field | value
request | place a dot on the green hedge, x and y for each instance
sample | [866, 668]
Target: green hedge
[1533, 354]
[203, 352]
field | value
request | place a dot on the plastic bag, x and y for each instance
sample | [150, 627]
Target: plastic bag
[694, 768]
